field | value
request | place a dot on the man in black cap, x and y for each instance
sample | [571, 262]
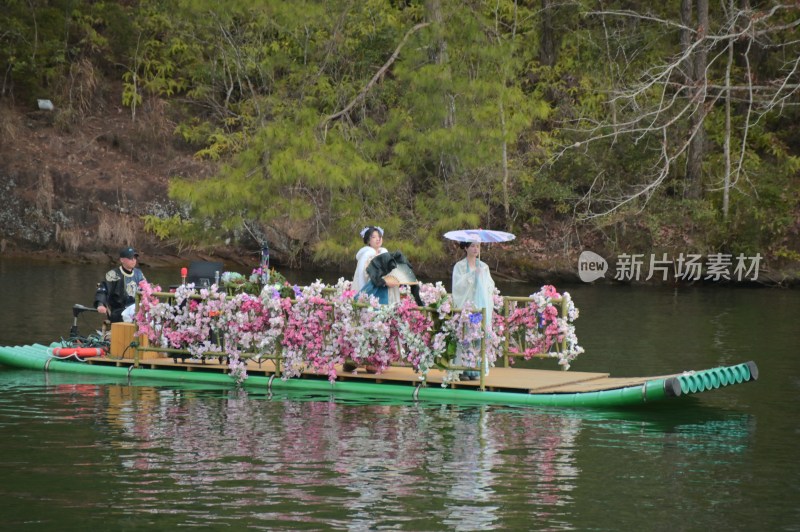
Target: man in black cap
[116, 295]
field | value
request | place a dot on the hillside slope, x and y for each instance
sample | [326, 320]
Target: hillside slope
[79, 190]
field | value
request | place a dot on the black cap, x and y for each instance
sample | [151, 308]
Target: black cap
[128, 253]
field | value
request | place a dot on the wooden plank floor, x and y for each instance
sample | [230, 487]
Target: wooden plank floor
[500, 378]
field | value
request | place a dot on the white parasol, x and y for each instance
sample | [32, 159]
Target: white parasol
[479, 235]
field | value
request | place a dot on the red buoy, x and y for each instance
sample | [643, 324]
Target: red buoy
[82, 352]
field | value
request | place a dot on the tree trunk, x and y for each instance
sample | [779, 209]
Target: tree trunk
[686, 35]
[439, 56]
[506, 200]
[727, 145]
[697, 71]
[548, 40]
[439, 52]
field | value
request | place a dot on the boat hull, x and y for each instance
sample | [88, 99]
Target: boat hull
[647, 391]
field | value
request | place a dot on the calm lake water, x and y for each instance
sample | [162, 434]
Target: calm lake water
[81, 452]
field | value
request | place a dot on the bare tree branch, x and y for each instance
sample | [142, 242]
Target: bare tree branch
[664, 104]
[381, 71]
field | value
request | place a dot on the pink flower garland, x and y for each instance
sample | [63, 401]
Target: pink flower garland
[415, 328]
[306, 343]
[322, 328]
[537, 328]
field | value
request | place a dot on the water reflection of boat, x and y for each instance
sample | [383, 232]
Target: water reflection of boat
[368, 458]
[203, 454]
[505, 385]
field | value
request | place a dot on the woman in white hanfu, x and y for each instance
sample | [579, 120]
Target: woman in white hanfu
[472, 282]
[373, 238]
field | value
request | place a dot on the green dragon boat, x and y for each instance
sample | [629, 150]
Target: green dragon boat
[141, 352]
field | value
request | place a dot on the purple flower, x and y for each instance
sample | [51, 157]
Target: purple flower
[475, 318]
[297, 292]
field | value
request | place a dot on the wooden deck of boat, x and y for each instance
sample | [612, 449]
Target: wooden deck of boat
[500, 379]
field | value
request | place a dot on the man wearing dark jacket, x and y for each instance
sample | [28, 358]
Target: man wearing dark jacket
[116, 294]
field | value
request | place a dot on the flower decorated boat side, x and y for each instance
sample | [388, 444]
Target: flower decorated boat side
[319, 339]
[321, 328]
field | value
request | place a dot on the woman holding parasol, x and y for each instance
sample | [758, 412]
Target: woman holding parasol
[472, 280]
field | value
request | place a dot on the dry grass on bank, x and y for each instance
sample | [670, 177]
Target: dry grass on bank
[116, 230]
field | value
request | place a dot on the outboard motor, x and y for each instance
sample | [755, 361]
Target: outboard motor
[77, 310]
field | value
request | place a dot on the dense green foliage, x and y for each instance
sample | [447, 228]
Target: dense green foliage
[504, 114]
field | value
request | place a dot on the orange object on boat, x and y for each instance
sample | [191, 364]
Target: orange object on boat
[82, 352]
